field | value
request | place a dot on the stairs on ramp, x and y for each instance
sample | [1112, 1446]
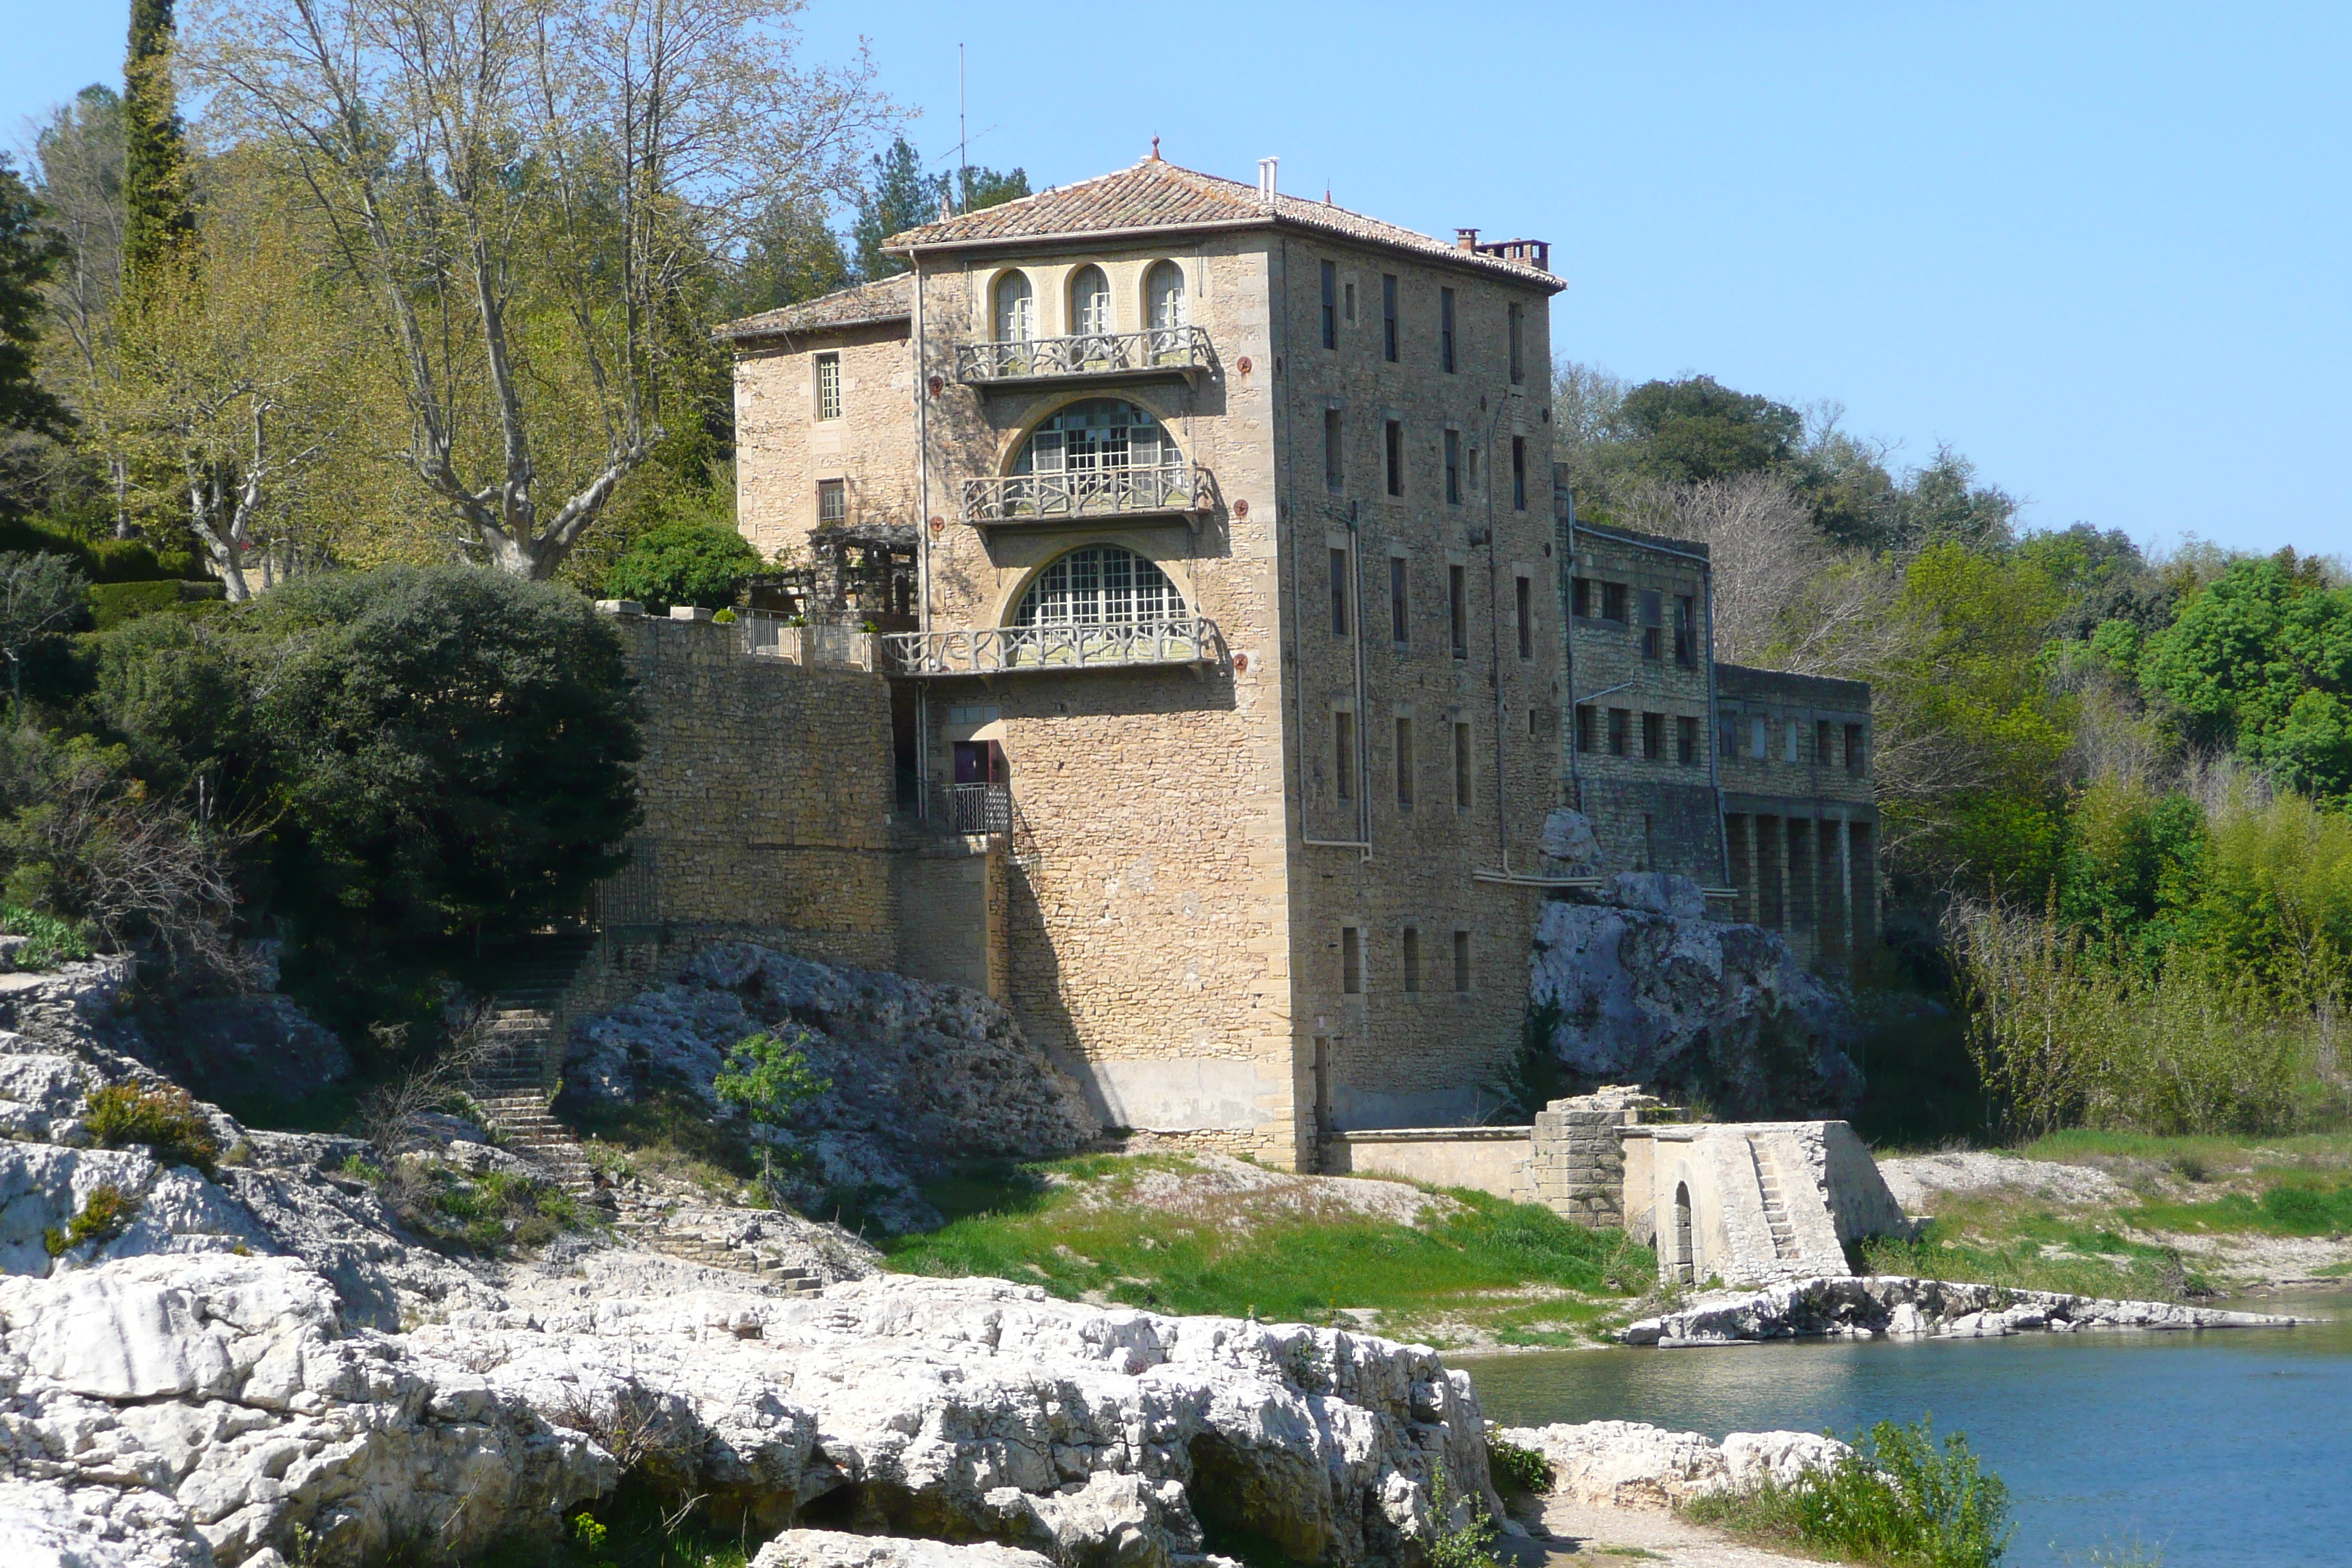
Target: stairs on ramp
[1775, 1210]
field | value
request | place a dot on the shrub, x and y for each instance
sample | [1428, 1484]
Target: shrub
[1517, 1469]
[107, 1215]
[1898, 1500]
[165, 1120]
[684, 562]
[114, 604]
[55, 942]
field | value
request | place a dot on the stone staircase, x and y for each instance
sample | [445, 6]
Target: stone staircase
[1776, 1211]
[649, 1234]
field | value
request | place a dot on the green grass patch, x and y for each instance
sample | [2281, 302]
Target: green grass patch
[1902, 1501]
[1102, 1227]
[107, 1215]
[164, 1120]
[2294, 1205]
[1982, 1241]
[666, 1134]
[2217, 1155]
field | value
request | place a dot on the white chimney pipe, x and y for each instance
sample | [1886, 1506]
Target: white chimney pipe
[1266, 167]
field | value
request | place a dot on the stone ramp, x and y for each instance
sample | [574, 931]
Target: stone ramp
[1755, 1202]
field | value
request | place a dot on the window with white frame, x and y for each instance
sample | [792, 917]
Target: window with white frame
[1101, 584]
[1100, 433]
[1016, 310]
[1089, 302]
[1163, 292]
[828, 386]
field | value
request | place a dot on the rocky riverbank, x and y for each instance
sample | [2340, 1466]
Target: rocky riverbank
[1892, 1306]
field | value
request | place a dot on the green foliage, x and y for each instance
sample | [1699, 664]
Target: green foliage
[904, 197]
[769, 1078]
[1901, 1502]
[685, 563]
[487, 1216]
[157, 221]
[2261, 660]
[164, 1120]
[1517, 1469]
[55, 942]
[115, 604]
[28, 253]
[1985, 1241]
[106, 1213]
[1469, 1545]
[1697, 429]
[40, 597]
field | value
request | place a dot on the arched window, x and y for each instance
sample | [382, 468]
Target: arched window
[1016, 310]
[1100, 584]
[1163, 295]
[1089, 302]
[1100, 433]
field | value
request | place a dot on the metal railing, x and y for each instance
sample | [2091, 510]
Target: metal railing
[1179, 349]
[1000, 650]
[1080, 493]
[775, 636]
[973, 808]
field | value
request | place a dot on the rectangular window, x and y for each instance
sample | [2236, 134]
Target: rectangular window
[1519, 316]
[1686, 740]
[1462, 795]
[1334, 475]
[1652, 631]
[1454, 467]
[1621, 724]
[832, 502]
[1343, 753]
[1351, 961]
[1445, 331]
[1404, 764]
[1789, 743]
[1685, 630]
[1389, 317]
[1757, 748]
[1653, 737]
[1526, 612]
[1580, 597]
[1853, 758]
[1412, 957]
[1400, 610]
[1460, 963]
[828, 386]
[1458, 609]
[1330, 306]
[1348, 307]
[1822, 745]
[1518, 473]
[1396, 457]
[1586, 720]
[1613, 602]
[1338, 592]
[1727, 737]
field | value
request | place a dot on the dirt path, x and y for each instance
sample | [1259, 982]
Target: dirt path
[1571, 1533]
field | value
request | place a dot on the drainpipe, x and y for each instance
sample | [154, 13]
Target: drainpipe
[1564, 577]
[922, 458]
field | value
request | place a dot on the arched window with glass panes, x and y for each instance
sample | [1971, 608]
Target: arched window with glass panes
[1101, 584]
[1016, 310]
[1100, 433]
[1089, 302]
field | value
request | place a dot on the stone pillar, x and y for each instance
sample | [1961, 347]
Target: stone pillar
[1845, 885]
[1771, 874]
[1801, 922]
[1829, 921]
[1575, 1164]
[1743, 870]
[1865, 891]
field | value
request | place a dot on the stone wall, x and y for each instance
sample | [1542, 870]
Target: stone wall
[951, 902]
[1575, 1164]
[1483, 1159]
[786, 451]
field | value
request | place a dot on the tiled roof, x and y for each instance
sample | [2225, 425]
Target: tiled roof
[1155, 194]
[889, 300]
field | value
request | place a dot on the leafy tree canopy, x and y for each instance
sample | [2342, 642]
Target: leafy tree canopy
[903, 196]
[1697, 429]
[684, 562]
[28, 253]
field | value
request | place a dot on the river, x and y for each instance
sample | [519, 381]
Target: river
[2230, 1448]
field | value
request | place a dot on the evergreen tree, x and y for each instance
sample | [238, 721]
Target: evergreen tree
[27, 254]
[157, 220]
[903, 196]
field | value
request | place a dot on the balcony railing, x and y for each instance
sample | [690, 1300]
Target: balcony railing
[1049, 649]
[973, 808]
[773, 637]
[1159, 351]
[1078, 495]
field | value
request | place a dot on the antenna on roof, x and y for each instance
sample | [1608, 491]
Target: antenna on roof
[963, 142]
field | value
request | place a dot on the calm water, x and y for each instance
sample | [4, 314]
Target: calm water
[2226, 1449]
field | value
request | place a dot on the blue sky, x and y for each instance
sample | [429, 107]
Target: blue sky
[2101, 249]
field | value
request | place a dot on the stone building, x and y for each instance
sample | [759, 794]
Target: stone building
[1235, 621]
[1754, 783]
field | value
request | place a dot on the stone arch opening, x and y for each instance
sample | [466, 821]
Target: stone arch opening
[1242, 1506]
[1686, 1265]
[1098, 584]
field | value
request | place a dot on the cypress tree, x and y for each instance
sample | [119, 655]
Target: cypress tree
[157, 221]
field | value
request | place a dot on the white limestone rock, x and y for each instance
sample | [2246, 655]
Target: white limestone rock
[1895, 1306]
[838, 1549]
[1632, 1464]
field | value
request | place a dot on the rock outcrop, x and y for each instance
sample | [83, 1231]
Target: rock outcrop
[1640, 985]
[1895, 1306]
[921, 1073]
[1630, 1465]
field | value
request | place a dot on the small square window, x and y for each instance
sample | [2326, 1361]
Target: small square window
[1454, 467]
[1580, 597]
[1685, 630]
[1389, 317]
[1686, 740]
[1330, 306]
[1396, 457]
[1654, 736]
[1613, 602]
[1445, 331]
[1587, 724]
[828, 386]
[1518, 473]
[1525, 607]
[1338, 592]
[1854, 755]
[1757, 747]
[1458, 609]
[1621, 725]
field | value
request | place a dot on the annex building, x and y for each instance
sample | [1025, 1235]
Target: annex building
[1207, 541]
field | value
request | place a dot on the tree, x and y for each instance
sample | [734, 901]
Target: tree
[157, 219]
[903, 197]
[685, 563]
[768, 1078]
[79, 157]
[791, 255]
[1697, 429]
[536, 195]
[40, 595]
[28, 255]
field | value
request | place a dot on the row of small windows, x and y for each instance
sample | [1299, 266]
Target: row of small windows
[1340, 305]
[1616, 733]
[1393, 443]
[1457, 605]
[1591, 600]
[1014, 307]
[1832, 743]
[1405, 762]
[1620, 734]
[1408, 961]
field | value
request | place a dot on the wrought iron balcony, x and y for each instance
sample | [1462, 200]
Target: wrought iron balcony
[1188, 640]
[774, 637]
[1159, 351]
[1084, 495]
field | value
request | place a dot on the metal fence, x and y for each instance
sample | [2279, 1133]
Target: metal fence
[974, 808]
[1089, 353]
[994, 650]
[776, 636]
[1076, 493]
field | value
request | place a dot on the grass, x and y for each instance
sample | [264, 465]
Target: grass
[668, 1133]
[164, 1120]
[1991, 1238]
[489, 1215]
[1902, 1501]
[1082, 1228]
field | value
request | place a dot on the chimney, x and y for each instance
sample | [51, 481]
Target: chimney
[1465, 239]
[1265, 179]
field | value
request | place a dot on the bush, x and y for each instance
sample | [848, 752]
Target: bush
[55, 942]
[684, 562]
[166, 1121]
[114, 603]
[107, 1215]
[1517, 1469]
[1899, 1500]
